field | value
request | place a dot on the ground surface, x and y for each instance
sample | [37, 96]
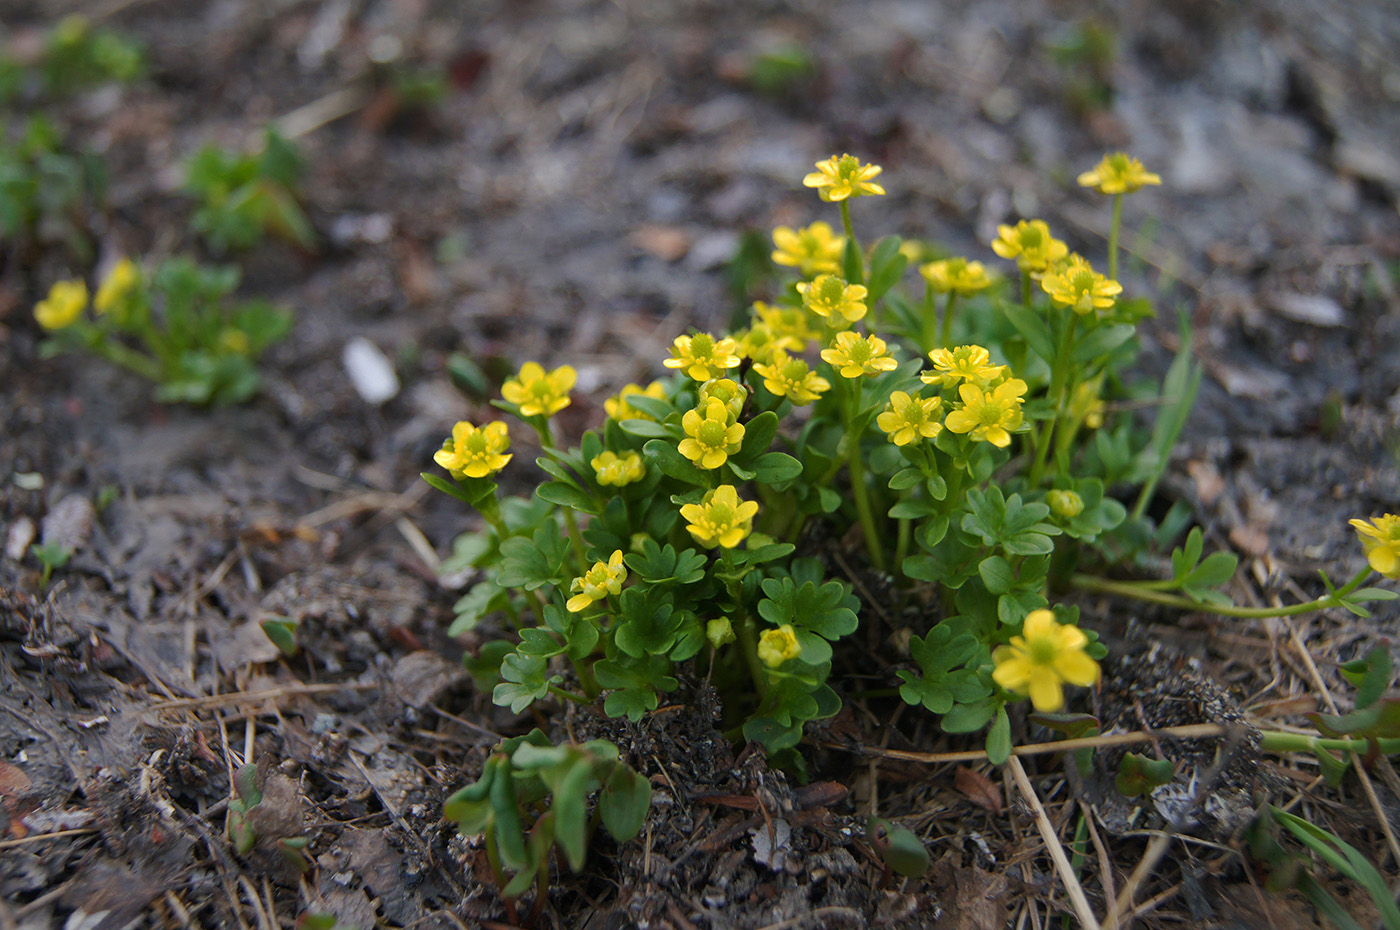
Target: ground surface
[575, 200]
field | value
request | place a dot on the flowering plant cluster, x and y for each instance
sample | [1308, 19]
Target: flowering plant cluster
[961, 434]
[175, 327]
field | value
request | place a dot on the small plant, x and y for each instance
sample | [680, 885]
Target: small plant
[75, 56]
[51, 556]
[48, 194]
[176, 328]
[533, 796]
[263, 808]
[961, 436]
[244, 197]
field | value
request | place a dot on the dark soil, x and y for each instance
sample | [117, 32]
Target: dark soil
[576, 199]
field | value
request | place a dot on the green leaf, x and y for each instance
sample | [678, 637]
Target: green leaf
[524, 681]
[283, 633]
[482, 599]
[827, 611]
[1370, 675]
[1346, 859]
[997, 574]
[758, 436]
[777, 468]
[624, 802]
[1139, 774]
[998, 738]
[905, 479]
[648, 429]
[654, 407]
[887, 266]
[534, 562]
[485, 666]
[898, 847]
[1031, 326]
[971, 716]
[1101, 341]
[565, 495]
[668, 458]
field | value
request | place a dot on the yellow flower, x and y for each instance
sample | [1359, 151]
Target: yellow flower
[728, 392]
[710, 436]
[618, 408]
[721, 518]
[234, 341]
[598, 582]
[1118, 174]
[853, 356]
[1030, 243]
[702, 357]
[1381, 540]
[1078, 285]
[537, 393]
[1067, 504]
[618, 470]
[972, 364]
[989, 416]
[1045, 657]
[124, 278]
[907, 419]
[475, 453]
[792, 326]
[813, 249]
[757, 343]
[956, 274]
[841, 177]
[791, 378]
[832, 299]
[63, 306]
[778, 646]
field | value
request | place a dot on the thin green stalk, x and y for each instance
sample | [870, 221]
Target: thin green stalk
[1136, 590]
[1058, 389]
[1026, 288]
[131, 360]
[744, 628]
[930, 320]
[1113, 236]
[901, 545]
[945, 334]
[851, 241]
[851, 398]
[569, 695]
[1279, 742]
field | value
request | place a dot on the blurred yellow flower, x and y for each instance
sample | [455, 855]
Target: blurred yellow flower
[956, 274]
[538, 393]
[832, 299]
[813, 249]
[1118, 173]
[721, 518]
[791, 378]
[475, 453]
[124, 278]
[1046, 656]
[618, 470]
[1079, 286]
[1380, 538]
[1067, 504]
[618, 408]
[792, 326]
[728, 392]
[1030, 243]
[63, 306]
[778, 646]
[841, 177]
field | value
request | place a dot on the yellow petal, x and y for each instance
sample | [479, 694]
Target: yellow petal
[1045, 691]
[1077, 668]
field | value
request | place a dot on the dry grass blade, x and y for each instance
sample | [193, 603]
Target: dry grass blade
[1077, 899]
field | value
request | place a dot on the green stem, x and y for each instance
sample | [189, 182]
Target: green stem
[901, 546]
[946, 333]
[1136, 590]
[1113, 236]
[1026, 288]
[852, 242]
[131, 360]
[930, 319]
[1058, 389]
[1280, 742]
[851, 398]
[576, 538]
[569, 695]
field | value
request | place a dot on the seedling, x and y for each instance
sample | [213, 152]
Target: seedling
[244, 197]
[177, 328]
